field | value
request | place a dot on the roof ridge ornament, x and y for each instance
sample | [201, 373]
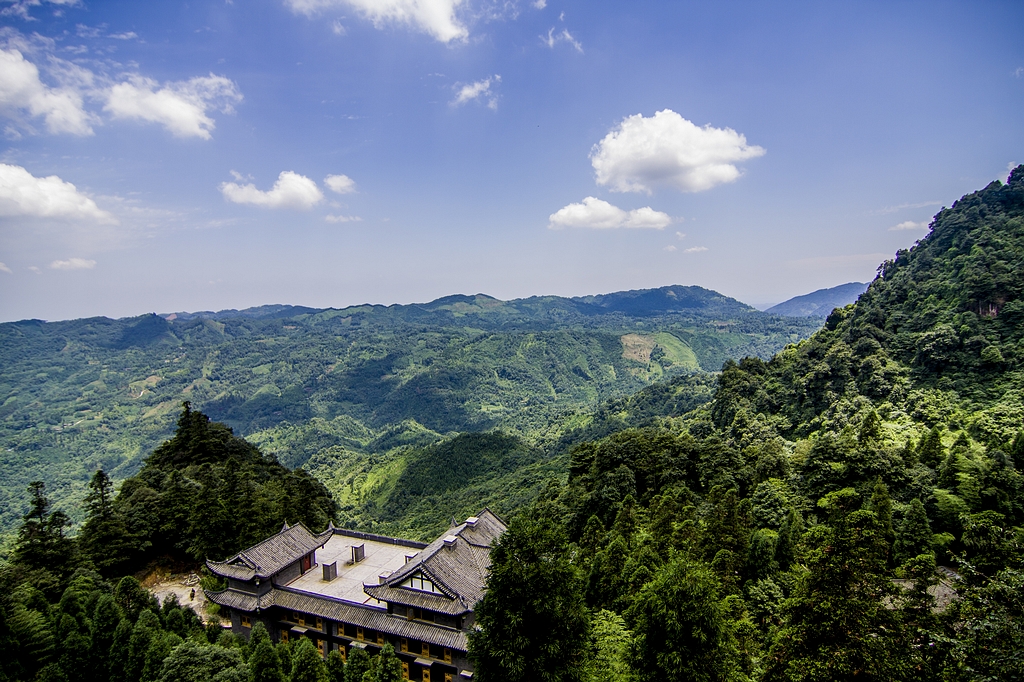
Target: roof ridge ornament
[285, 526]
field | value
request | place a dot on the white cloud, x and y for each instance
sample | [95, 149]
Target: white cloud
[22, 90]
[128, 35]
[680, 235]
[23, 194]
[670, 247]
[342, 184]
[668, 150]
[540, 4]
[436, 18]
[480, 90]
[290, 191]
[909, 225]
[181, 106]
[4, 268]
[695, 249]
[552, 39]
[20, 7]
[343, 219]
[338, 28]
[73, 264]
[597, 214]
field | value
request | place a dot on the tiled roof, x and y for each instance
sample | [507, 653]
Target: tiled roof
[369, 617]
[266, 558]
[243, 601]
[424, 600]
[457, 564]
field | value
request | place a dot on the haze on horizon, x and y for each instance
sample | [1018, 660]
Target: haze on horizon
[176, 156]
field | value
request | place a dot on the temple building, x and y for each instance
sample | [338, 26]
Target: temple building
[345, 589]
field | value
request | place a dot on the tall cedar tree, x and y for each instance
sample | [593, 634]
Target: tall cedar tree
[839, 626]
[533, 621]
[680, 627]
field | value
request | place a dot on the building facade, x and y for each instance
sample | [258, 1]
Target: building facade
[345, 589]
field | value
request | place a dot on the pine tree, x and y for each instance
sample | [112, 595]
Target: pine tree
[264, 663]
[336, 666]
[307, 664]
[533, 622]
[385, 667]
[839, 625]
[930, 450]
[680, 629]
[915, 533]
[358, 664]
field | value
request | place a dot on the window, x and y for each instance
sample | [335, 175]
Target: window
[359, 633]
[300, 619]
[426, 675]
[447, 655]
[425, 650]
[284, 635]
[404, 645]
[418, 582]
[380, 638]
[405, 670]
[320, 646]
[320, 624]
[246, 623]
[447, 677]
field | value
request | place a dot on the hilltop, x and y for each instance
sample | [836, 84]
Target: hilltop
[82, 394]
[821, 302]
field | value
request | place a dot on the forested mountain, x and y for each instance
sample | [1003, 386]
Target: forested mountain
[849, 509]
[791, 528]
[820, 303]
[84, 394]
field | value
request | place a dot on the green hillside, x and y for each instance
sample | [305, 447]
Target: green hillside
[83, 394]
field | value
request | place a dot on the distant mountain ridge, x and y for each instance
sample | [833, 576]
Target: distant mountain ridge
[635, 302]
[821, 302]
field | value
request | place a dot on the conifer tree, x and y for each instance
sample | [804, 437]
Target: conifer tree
[385, 667]
[680, 629]
[307, 664]
[336, 666]
[533, 620]
[264, 663]
[930, 450]
[358, 664]
[915, 533]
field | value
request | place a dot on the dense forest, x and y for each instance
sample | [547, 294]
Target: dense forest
[848, 509]
[99, 393]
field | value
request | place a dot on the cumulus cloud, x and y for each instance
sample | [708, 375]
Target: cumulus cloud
[181, 107]
[695, 249]
[540, 4]
[436, 18]
[597, 214]
[342, 184]
[22, 91]
[480, 90]
[343, 219]
[552, 39]
[670, 247]
[4, 268]
[20, 8]
[290, 191]
[73, 264]
[909, 225]
[668, 150]
[24, 195]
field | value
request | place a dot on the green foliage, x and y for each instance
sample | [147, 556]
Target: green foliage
[681, 629]
[384, 667]
[100, 393]
[307, 664]
[533, 624]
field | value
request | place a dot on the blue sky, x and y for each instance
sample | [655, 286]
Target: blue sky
[171, 156]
